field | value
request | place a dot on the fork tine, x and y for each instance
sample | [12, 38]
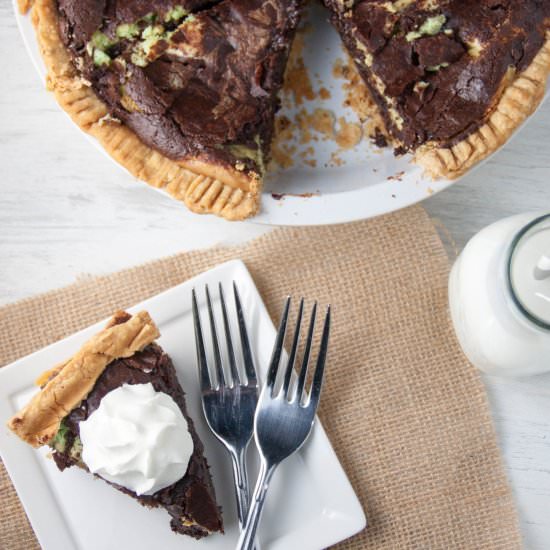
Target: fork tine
[294, 349]
[204, 376]
[278, 348]
[229, 342]
[307, 353]
[245, 344]
[215, 342]
[319, 369]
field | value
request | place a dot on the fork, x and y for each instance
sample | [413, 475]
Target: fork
[284, 419]
[228, 405]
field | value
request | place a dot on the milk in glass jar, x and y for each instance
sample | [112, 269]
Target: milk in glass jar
[499, 295]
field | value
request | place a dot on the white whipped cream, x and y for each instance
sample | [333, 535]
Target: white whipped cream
[137, 438]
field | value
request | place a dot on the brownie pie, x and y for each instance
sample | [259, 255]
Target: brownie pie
[124, 353]
[183, 93]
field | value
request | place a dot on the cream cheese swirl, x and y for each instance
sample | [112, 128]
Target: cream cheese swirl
[137, 438]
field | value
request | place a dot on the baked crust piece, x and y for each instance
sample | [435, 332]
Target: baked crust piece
[66, 385]
[519, 100]
[204, 187]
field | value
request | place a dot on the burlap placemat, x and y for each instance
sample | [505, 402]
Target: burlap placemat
[405, 412]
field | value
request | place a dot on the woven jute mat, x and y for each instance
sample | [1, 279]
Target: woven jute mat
[406, 413]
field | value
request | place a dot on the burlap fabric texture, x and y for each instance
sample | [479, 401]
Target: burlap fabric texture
[406, 413]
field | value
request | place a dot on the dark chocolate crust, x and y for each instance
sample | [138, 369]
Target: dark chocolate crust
[442, 87]
[210, 91]
[192, 498]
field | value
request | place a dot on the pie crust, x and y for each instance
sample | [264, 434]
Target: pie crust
[519, 99]
[67, 384]
[205, 188]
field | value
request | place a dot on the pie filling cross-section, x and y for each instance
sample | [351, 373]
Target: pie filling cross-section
[452, 79]
[116, 409]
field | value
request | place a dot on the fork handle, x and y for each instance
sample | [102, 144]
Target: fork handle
[240, 475]
[246, 540]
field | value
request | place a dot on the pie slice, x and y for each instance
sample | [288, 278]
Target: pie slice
[116, 407]
[182, 93]
[451, 79]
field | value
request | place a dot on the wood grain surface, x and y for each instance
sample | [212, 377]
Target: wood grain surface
[66, 212]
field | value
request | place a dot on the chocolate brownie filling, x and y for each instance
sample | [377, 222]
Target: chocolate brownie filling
[436, 69]
[192, 78]
[190, 501]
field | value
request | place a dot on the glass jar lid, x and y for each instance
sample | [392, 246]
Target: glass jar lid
[528, 271]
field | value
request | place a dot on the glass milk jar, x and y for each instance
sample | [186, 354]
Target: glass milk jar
[499, 296]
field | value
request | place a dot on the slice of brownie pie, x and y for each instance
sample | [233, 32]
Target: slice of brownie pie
[117, 410]
[452, 79]
[182, 93]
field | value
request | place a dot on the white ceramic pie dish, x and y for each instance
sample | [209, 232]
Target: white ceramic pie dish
[311, 504]
[370, 182]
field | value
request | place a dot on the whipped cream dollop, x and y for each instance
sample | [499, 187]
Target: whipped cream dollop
[137, 438]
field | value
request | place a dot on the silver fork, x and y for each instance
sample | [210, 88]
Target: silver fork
[284, 420]
[228, 405]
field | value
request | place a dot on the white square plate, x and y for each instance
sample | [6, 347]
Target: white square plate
[311, 503]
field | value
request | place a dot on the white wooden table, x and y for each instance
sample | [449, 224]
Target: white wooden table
[66, 213]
